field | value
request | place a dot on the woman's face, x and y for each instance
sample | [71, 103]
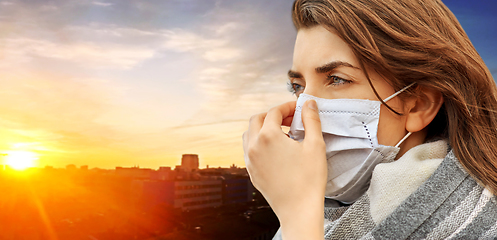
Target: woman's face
[325, 66]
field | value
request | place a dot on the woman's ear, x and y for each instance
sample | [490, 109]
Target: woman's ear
[423, 109]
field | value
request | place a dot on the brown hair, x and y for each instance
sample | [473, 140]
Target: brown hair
[421, 41]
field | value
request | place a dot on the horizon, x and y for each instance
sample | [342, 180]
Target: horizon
[80, 167]
[125, 83]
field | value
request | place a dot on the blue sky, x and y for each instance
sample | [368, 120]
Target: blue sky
[479, 20]
[108, 83]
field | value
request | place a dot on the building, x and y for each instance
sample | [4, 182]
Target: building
[153, 192]
[187, 187]
[71, 167]
[189, 162]
[135, 172]
[166, 174]
[189, 195]
[237, 187]
[184, 195]
[237, 190]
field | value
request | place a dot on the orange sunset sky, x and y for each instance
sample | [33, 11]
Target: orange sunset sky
[125, 83]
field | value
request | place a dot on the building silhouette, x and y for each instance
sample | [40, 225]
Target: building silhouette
[187, 187]
[137, 203]
[189, 162]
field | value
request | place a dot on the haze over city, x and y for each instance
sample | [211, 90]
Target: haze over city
[126, 83]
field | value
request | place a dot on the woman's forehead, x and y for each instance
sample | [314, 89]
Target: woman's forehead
[317, 46]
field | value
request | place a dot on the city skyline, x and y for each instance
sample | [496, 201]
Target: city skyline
[88, 167]
[126, 83]
[133, 203]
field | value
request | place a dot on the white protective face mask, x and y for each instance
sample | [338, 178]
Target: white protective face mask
[349, 129]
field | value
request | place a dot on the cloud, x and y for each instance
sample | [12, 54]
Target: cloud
[49, 8]
[86, 54]
[227, 28]
[52, 109]
[111, 33]
[213, 42]
[117, 47]
[226, 63]
[103, 4]
[222, 54]
[186, 41]
[46, 98]
[66, 118]
[213, 73]
[244, 64]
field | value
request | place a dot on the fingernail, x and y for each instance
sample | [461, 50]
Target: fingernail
[312, 105]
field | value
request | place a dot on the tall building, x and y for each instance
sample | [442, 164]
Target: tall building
[189, 162]
[190, 195]
[184, 195]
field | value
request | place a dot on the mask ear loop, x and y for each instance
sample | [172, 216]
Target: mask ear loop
[402, 140]
[398, 92]
[394, 95]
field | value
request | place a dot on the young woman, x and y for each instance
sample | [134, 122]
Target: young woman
[400, 122]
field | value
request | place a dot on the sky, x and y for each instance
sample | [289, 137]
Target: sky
[139, 83]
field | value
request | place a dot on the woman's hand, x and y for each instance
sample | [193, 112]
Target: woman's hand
[291, 175]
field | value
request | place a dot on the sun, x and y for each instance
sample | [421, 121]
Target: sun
[21, 160]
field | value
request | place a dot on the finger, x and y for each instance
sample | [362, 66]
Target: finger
[245, 148]
[245, 141]
[255, 125]
[311, 121]
[275, 116]
[287, 121]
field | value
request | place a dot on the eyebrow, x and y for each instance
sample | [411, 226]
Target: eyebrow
[332, 65]
[293, 74]
[324, 69]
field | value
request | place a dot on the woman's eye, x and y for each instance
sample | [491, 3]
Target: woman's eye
[335, 80]
[295, 88]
